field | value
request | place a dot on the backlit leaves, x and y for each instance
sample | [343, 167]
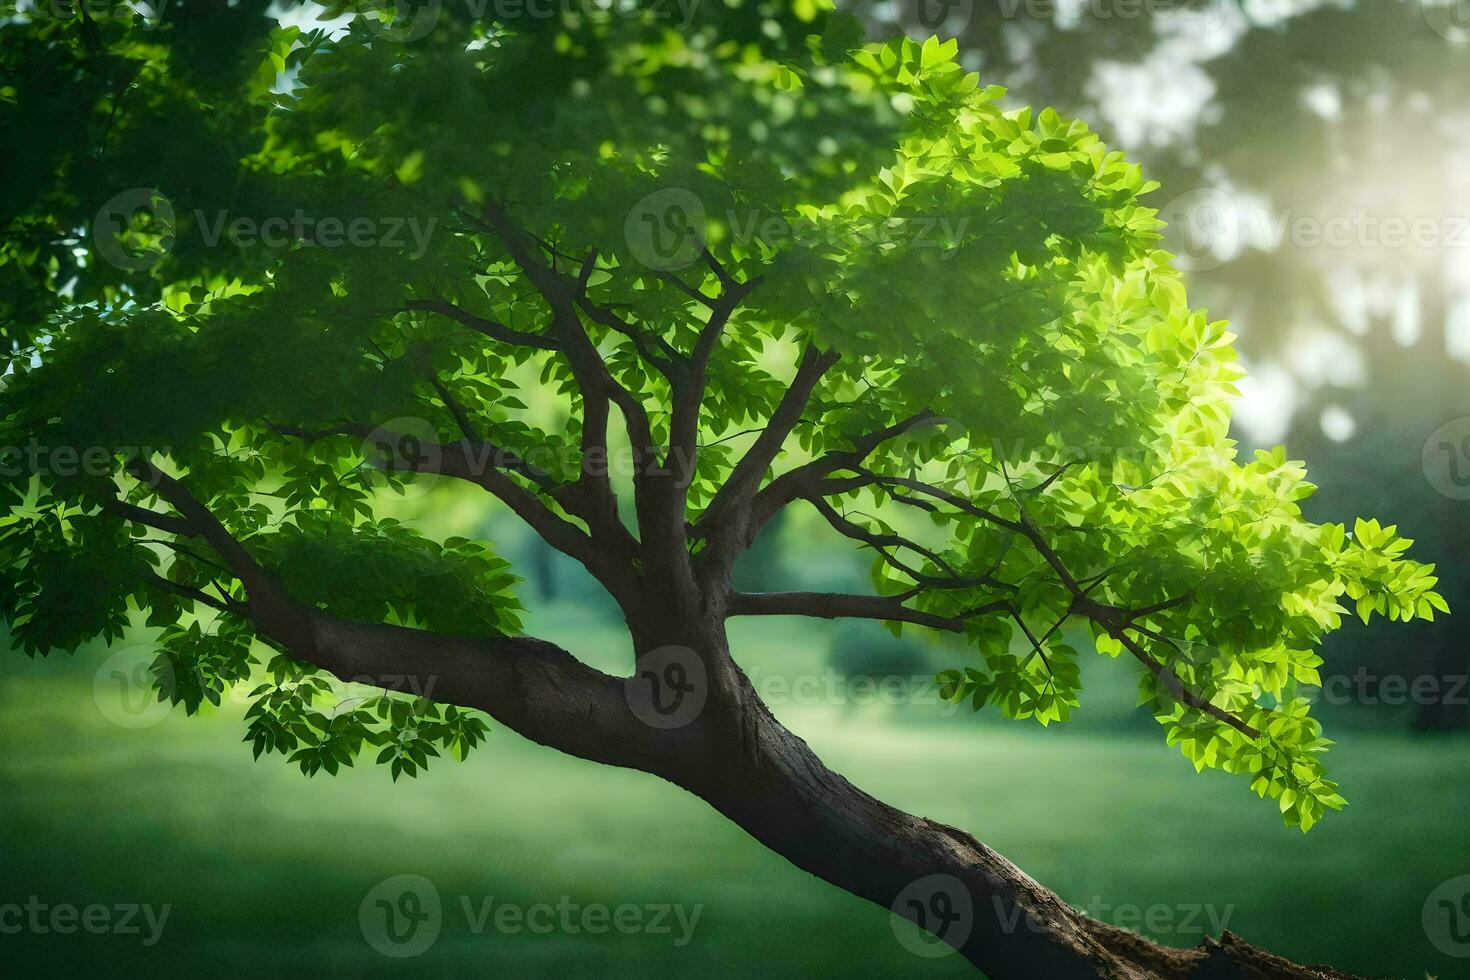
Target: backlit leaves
[998, 268]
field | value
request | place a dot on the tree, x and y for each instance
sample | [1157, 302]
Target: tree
[756, 265]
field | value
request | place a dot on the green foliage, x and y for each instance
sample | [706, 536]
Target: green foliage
[383, 571]
[65, 581]
[194, 666]
[299, 713]
[997, 268]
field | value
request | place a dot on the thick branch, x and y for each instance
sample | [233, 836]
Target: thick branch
[998, 917]
[529, 685]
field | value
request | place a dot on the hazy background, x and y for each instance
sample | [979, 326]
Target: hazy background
[1313, 160]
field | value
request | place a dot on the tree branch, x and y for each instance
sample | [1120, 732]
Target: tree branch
[179, 549]
[490, 328]
[194, 595]
[591, 372]
[1175, 685]
[487, 466]
[667, 363]
[461, 417]
[1115, 621]
[1158, 607]
[734, 498]
[529, 685]
[837, 605]
[802, 481]
[689, 390]
[596, 383]
[881, 542]
[166, 523]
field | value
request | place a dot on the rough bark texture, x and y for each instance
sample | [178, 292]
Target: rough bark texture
[779, 792]
[819, 821]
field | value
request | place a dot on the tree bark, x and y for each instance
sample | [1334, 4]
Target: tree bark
[974, 899]
[770, 783]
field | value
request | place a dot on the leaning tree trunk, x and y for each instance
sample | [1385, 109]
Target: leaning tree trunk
[740, 759]
[769, 782]
[998, 917]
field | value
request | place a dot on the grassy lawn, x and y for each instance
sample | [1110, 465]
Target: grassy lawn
[265, 870]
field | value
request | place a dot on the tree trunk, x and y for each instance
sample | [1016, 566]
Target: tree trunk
[771, 784]
[735, 755]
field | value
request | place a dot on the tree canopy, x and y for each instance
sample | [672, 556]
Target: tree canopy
[256, 275]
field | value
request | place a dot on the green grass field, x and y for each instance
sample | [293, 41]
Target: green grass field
[265, 870]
